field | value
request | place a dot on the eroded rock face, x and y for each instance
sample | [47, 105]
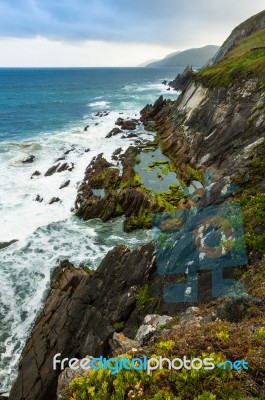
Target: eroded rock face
[182, 80]
[121, 193]
[127, 124]
[80, 314]
[218, 127]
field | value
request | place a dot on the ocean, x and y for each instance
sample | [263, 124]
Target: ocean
[43, 112]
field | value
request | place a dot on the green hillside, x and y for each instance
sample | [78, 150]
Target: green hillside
[246, 60]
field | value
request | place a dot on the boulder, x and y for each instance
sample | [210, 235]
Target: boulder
[120, 344]
[113, 132]
[28, 159]
[127, 124]
[150, 325]
[36, 173]
[51, 170]
[65, 184]
[54, 200]
[59, 168]
[66, 377]
[38, 198]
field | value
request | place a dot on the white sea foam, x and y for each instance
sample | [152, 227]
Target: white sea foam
[103, 104]
[47, 232]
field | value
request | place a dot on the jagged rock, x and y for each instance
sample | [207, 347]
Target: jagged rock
[6, 244]
[59, 168]
[127, 124]
[86, 128]
[36, 173]
[182, 80]
[149, 112]
[69, 150]
[164, 82]
[120, 344]
[61, 159]
[87, 150]
[80, 313]
[117, 151]
[29, 159]
[65, 167]
[55, 200]
[150, 325]
[65, 184]
[207, 126]
[52, 170]
[113, 132]
[38, 198]
[66, 377]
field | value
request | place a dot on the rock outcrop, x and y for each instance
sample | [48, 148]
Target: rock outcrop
[120, 193]
[217, 126]
[81, 313]
[182, 80]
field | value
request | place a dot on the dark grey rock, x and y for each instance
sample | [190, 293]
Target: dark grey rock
[113, 132]
[65, 184]
[29, 159]
[3, 245]
[55, 200]
[38, 198]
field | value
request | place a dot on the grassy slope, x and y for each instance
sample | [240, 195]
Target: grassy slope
[240, 63]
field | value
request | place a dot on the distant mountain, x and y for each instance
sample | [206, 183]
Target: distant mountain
[194, 57]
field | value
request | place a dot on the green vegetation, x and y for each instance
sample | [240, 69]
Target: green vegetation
[253, 210]
[143, 297]
[165, 384]
[118, 326]
[86, 268]
[242, 62]
[195, 174]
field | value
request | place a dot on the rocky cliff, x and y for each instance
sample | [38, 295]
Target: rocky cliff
[212, 135]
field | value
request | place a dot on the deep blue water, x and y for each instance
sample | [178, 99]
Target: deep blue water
[35, 101]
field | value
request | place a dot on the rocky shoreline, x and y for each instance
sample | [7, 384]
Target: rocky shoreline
[207, 140]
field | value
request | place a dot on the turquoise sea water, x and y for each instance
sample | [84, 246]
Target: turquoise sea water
[34, 101]
[43, 113]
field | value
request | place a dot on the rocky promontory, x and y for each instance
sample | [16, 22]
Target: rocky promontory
[208, 149]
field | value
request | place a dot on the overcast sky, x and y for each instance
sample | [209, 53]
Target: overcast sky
[112, 32]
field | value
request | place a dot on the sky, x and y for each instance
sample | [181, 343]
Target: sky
[80, 33]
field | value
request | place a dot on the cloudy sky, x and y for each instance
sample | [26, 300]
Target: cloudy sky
[112, 32]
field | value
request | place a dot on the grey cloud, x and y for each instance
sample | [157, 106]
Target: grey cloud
[171, 22]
